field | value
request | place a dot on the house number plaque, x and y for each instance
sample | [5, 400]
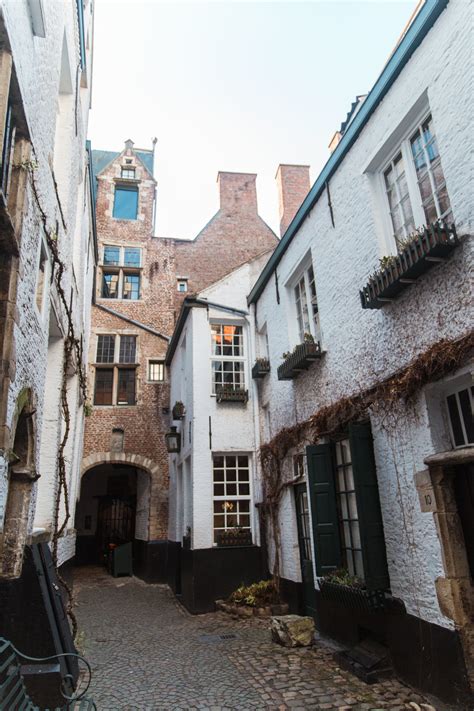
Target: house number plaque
[425, 491]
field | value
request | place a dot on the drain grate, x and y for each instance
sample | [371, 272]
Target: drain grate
[210, 638]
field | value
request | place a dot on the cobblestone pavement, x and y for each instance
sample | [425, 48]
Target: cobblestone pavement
[148, 653]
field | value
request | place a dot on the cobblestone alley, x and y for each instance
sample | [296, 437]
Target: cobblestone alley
[148, 653]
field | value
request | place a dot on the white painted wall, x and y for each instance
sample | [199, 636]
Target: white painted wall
[233, 425]
[364, 346]
[58, 135]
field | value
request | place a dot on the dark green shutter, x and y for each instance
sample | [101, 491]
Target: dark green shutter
[368, 507]
[323, 508]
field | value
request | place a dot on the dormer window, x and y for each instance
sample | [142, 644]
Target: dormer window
[128, 173]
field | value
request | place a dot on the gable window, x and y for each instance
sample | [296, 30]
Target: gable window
[128, 173]
[231, 477]
[156, 371]
[414, 183]
[227, 356]
[182, 285]
[115, 385]
[346, 515]
[461, 410]
[118, 282]
[125, 202]
[306, 305]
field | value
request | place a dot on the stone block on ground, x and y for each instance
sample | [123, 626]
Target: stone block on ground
[293, 630]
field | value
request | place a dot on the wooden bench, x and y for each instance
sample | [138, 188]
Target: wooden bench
[13, 694]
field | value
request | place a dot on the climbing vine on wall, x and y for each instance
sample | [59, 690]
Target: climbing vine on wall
[438, 360]
[72, 360]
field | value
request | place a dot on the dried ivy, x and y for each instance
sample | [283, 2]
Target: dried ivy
[72, 358]
[437, 361]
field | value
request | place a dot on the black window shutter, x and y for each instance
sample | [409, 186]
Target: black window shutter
[368, 506]
[323, 508]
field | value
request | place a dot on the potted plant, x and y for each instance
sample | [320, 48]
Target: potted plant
[179, 410]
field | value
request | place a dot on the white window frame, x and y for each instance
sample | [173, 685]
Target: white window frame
[398, 142]
[238, 497]
[179, 282]
[42, 249]
[299, 274]
[155, 360]
[128, 169]
[464, 384]
[221, 358]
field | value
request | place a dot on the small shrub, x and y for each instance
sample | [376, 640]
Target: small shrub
[343, 577]
[259, 594]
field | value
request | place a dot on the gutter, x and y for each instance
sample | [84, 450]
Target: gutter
[414, 36]
[130, 320]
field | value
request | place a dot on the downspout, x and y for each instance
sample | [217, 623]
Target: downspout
[256, 422]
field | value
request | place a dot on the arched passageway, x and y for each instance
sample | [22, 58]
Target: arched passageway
[113, 509]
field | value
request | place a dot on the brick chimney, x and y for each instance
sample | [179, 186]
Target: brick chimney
[237, 191]
[293, 186]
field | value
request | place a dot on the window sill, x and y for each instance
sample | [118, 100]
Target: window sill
[111, 298]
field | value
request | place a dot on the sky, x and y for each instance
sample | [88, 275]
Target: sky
[233, 86]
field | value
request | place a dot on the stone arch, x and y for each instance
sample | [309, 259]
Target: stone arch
[135, 460]
[21, 476]
[155, 491]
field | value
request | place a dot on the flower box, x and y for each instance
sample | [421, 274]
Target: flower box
[230, 394]
[234, 537]
[261, 368]
[300, 359]
[434, 245]
[351, 596]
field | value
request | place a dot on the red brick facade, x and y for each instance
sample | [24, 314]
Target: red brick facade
[234, 235]
[293, 186]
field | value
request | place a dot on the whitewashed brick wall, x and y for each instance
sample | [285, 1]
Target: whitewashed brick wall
[364, 346]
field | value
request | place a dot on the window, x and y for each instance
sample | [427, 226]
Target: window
[460, 410]
[306, 304]
[346, 515]
[115, 256]
[125, 202]
[41, 277]
[347, 511]
[119, 283]
[414, 183]
[105, 349]
[128, 173]
[182, 285]
[231, 476]
[115, 385]
[156, 371]
[227, 356]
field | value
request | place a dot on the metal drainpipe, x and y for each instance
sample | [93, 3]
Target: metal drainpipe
[253, 354]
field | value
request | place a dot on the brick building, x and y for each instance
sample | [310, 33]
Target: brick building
[141, 281]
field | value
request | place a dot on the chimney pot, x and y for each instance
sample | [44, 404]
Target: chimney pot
[293, 186]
